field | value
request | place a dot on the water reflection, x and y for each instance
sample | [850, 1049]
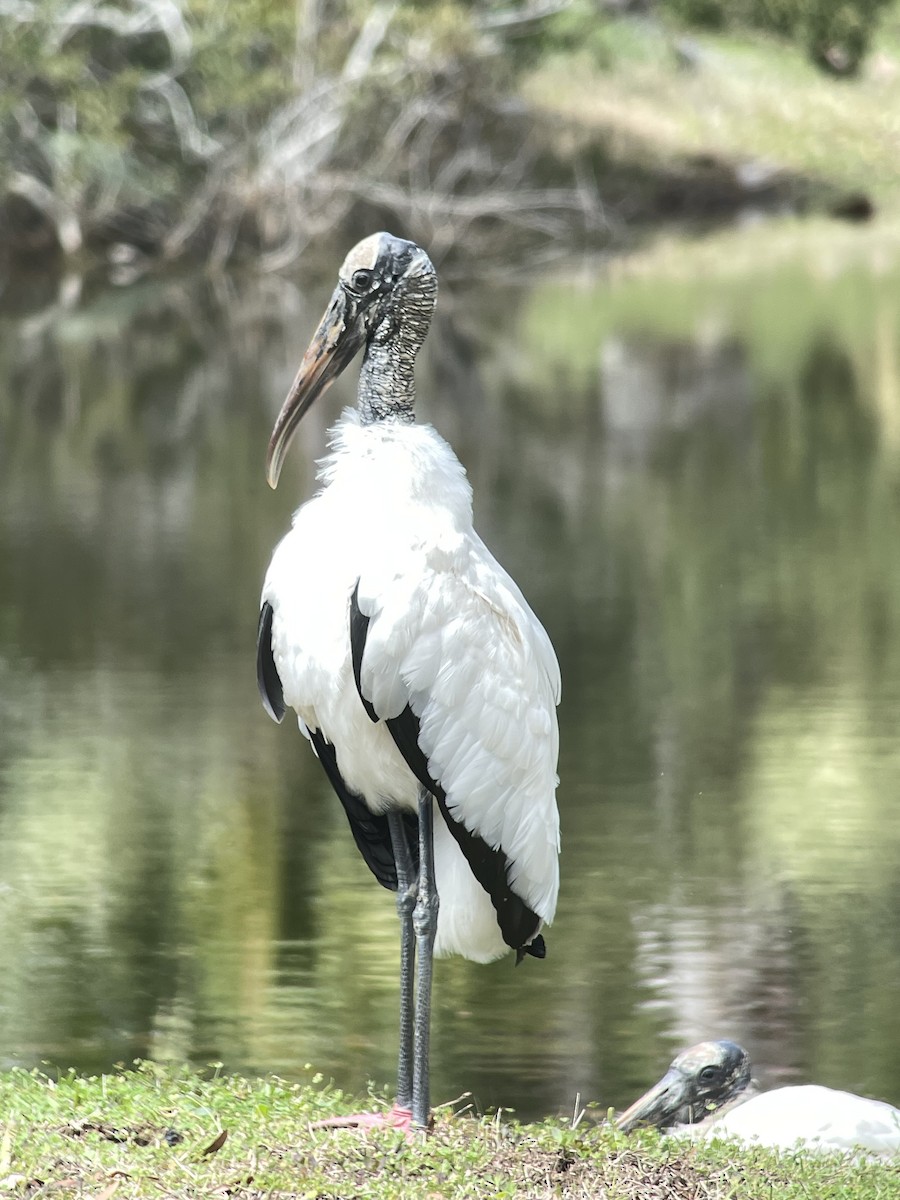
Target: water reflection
[697, 489]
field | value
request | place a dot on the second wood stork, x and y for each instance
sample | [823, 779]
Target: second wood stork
[708, 1092]
[425, 683]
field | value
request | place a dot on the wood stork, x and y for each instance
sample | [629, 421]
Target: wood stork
[425, 683]
[708, 1092]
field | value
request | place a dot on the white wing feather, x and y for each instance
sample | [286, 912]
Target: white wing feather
[817, 1117]
[463, 649]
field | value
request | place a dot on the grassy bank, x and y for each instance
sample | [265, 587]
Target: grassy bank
[688, 131]
[159, 1133]
[744, 100]
[735, 125]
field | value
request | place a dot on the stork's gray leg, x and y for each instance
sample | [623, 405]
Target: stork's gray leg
[425, 916]
[406, 899]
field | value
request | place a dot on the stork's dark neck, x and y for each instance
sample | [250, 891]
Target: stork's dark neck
[387, 389]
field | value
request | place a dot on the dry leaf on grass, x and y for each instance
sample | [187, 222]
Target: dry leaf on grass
[217, 1144]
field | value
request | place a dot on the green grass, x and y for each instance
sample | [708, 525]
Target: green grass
[154, 1132]
[746, 98]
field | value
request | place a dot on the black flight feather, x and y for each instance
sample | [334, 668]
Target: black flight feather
[267, 679]
[370, 830]
[518, 923]
[359, 629]
[537, 947]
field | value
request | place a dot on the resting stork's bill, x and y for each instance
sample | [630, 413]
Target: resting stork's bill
[425, 683]
[708, 1092]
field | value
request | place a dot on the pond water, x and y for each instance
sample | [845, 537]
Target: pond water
[697, 485]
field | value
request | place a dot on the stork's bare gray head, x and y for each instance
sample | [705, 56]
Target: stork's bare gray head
[386, 289]
[699, 1081]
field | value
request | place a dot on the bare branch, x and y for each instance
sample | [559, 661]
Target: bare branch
[370, 37]
[525, 14]
[192, 137]
[453, 159]
[47, 202]
[163, 16]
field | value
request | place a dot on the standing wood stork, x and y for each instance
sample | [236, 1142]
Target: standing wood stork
[425, 683]
[708, 1092]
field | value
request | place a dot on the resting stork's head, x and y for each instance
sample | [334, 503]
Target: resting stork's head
[700, 1080]
[384, 301]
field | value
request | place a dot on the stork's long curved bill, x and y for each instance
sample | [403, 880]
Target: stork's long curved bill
[339, 336]
[657, 1105]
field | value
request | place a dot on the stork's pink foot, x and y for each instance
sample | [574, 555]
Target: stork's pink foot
[397, 1118]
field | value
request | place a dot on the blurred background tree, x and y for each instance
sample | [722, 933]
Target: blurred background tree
[169, 126]
[163, 128]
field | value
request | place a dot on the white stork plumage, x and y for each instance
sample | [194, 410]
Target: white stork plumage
[425, 683]
[708, 1092]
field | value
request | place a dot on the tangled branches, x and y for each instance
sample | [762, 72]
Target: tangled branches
[172, 128]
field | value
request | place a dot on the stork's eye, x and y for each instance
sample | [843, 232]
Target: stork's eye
[708, 1075]
[362, 280]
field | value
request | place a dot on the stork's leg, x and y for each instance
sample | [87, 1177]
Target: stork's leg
[400, 1116]
[406, 900]
[425, 916]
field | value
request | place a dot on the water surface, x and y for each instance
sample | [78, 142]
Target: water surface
[697, 485]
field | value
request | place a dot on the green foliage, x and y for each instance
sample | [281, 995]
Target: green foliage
[78, 114]
[241, 68]
[835, 33]
[209, 112]
[707, 14]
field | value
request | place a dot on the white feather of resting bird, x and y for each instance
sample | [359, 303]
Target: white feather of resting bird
[811, 1116]
[449, 634]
